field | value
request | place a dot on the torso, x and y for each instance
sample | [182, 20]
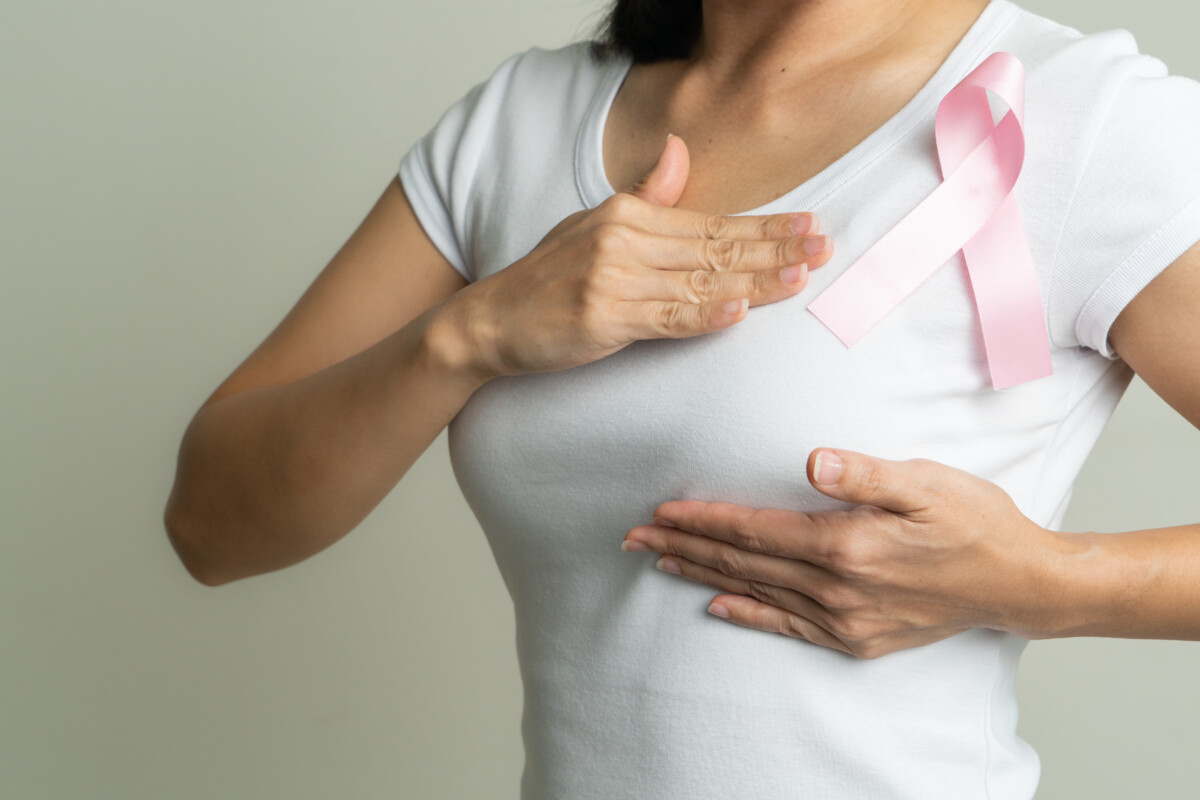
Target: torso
[630, 687]
[791, 142]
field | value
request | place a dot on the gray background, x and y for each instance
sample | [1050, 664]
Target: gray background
[173, 176]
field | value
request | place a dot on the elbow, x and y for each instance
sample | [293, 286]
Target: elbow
[189, 549]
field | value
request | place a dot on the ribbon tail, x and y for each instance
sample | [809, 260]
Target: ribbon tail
[1008, 300]
[974, 210]
[928, 236]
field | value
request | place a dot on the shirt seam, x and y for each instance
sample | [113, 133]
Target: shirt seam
[1103, 292]
[590, 112]
[1007, 16]
[431, 210]
[918, 119]
[988, 699]
[1069, 402]
[1083, 163]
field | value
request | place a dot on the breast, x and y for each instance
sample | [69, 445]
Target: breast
[571, 459]
[625, 675]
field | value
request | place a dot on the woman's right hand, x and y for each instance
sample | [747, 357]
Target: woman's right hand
[634, 268]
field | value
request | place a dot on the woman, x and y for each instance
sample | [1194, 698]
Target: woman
[883, 506]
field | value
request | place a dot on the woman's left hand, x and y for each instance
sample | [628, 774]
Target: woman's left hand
[928, 551]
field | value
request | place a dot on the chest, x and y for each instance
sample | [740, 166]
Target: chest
[745, 152]
[735, 168]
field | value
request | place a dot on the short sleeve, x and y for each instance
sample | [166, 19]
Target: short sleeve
[438, 171]
[1136, 203]
[427, 174]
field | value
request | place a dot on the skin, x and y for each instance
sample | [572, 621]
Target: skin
[316, 426]
[778, 75]
[928, 550]
[311, 431]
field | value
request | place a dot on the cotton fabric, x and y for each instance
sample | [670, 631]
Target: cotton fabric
[631, 688]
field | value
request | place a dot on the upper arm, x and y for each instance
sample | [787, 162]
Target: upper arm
[386, 274]
[1158, 334]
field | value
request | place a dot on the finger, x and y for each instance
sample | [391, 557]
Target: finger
[708, 270]
[663, 185]
[751, 613]
[771, 531]
[703, 286]
[700, 225]
[724, 255]
[770, 593]
[802, 576]
[669, 319]
[901, 486]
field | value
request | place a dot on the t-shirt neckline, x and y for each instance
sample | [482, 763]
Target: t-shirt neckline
[594, 187]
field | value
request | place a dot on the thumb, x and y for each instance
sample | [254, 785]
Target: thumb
[664, 184]
[899, 486]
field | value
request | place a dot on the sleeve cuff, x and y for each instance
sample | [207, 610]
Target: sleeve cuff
[1150, 258]
[429, 209]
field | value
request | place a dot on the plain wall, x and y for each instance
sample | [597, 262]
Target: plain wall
[172, 176]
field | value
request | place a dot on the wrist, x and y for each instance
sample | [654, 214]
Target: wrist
[1079, 585]
[450, 338]
[1039, 593]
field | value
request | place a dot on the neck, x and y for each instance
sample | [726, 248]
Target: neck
[747, 42]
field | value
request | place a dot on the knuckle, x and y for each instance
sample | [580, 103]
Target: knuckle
[787, 251]
[768, 227]
[853, 560]
[871, 479]
[837, 597]
[609, 238]
[795, 627]
[618, 206]
[699, 286]
[762, 591]
[717, 254]
[600, 279]
[728, 561]
[927, 470]
[939, 486]
[922, 475]
[842, 557]
[743, 535]
[667, 319]
[714, 227]
[851, 630]
[857, 562]
[710, 315]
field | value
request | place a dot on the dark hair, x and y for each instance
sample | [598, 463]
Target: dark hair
[649, 30]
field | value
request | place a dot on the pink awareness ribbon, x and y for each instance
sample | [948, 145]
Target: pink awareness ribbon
[974, 210]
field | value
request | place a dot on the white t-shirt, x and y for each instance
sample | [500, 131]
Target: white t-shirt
[631, 688]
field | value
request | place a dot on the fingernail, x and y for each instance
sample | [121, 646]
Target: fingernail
[828, 467]
[719, 610]
[667, 565]
[793, 274]
[802, 223]
[736, 306]
[629, 545]
[815, 244]
[666, 523]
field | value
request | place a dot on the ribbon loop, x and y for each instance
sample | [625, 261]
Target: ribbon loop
[975, 210]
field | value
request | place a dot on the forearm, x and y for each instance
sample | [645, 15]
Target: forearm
[268, 477]
[1141, 584]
